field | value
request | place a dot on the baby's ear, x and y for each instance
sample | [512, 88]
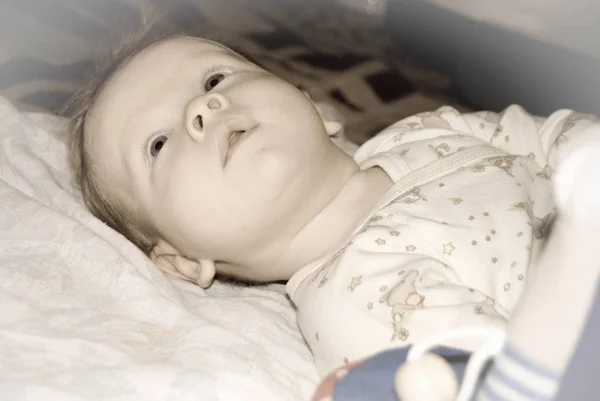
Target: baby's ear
[170, 261]
[331, 120]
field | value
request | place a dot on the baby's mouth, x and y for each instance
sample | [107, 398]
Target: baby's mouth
[235, 137]
[231, 132]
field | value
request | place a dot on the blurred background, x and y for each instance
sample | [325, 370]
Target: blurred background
[376, 61]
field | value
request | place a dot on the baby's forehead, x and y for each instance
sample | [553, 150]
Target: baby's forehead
[182, 46]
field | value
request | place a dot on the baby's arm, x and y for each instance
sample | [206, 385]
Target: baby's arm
[399, 299]
[429, 297]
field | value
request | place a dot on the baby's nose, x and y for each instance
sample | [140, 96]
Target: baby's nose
[213, 104]
[200, 110]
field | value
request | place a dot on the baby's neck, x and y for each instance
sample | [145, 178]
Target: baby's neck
[335, 225]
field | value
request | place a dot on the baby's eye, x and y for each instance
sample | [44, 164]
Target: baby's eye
[157, 144]
[213, 81]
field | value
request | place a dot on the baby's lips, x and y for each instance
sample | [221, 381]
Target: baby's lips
[239, 123]
[228, 125]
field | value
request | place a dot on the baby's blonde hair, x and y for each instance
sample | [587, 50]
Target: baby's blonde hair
[107, 206]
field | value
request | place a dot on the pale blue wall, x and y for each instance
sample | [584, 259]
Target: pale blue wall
[494, 67]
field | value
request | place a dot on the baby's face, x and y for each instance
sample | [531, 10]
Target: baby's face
[213, 151]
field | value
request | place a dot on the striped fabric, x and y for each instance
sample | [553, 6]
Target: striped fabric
[513, 377]
[339, 56]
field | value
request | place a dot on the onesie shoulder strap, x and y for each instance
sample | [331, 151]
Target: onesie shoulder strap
[435, 170]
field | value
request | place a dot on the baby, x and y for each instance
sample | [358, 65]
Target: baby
[213, 166]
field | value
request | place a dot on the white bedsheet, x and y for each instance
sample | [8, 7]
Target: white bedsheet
[85, 316]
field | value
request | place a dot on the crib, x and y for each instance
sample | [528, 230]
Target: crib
[86, 316]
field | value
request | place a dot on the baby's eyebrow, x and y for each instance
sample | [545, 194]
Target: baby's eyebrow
[212, 52]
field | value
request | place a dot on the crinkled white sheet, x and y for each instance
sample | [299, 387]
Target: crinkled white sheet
[85, 316]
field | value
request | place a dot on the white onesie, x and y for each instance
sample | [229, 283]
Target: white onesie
[452, 242]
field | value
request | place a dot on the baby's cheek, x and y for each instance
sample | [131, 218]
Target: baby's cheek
[267, 171]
